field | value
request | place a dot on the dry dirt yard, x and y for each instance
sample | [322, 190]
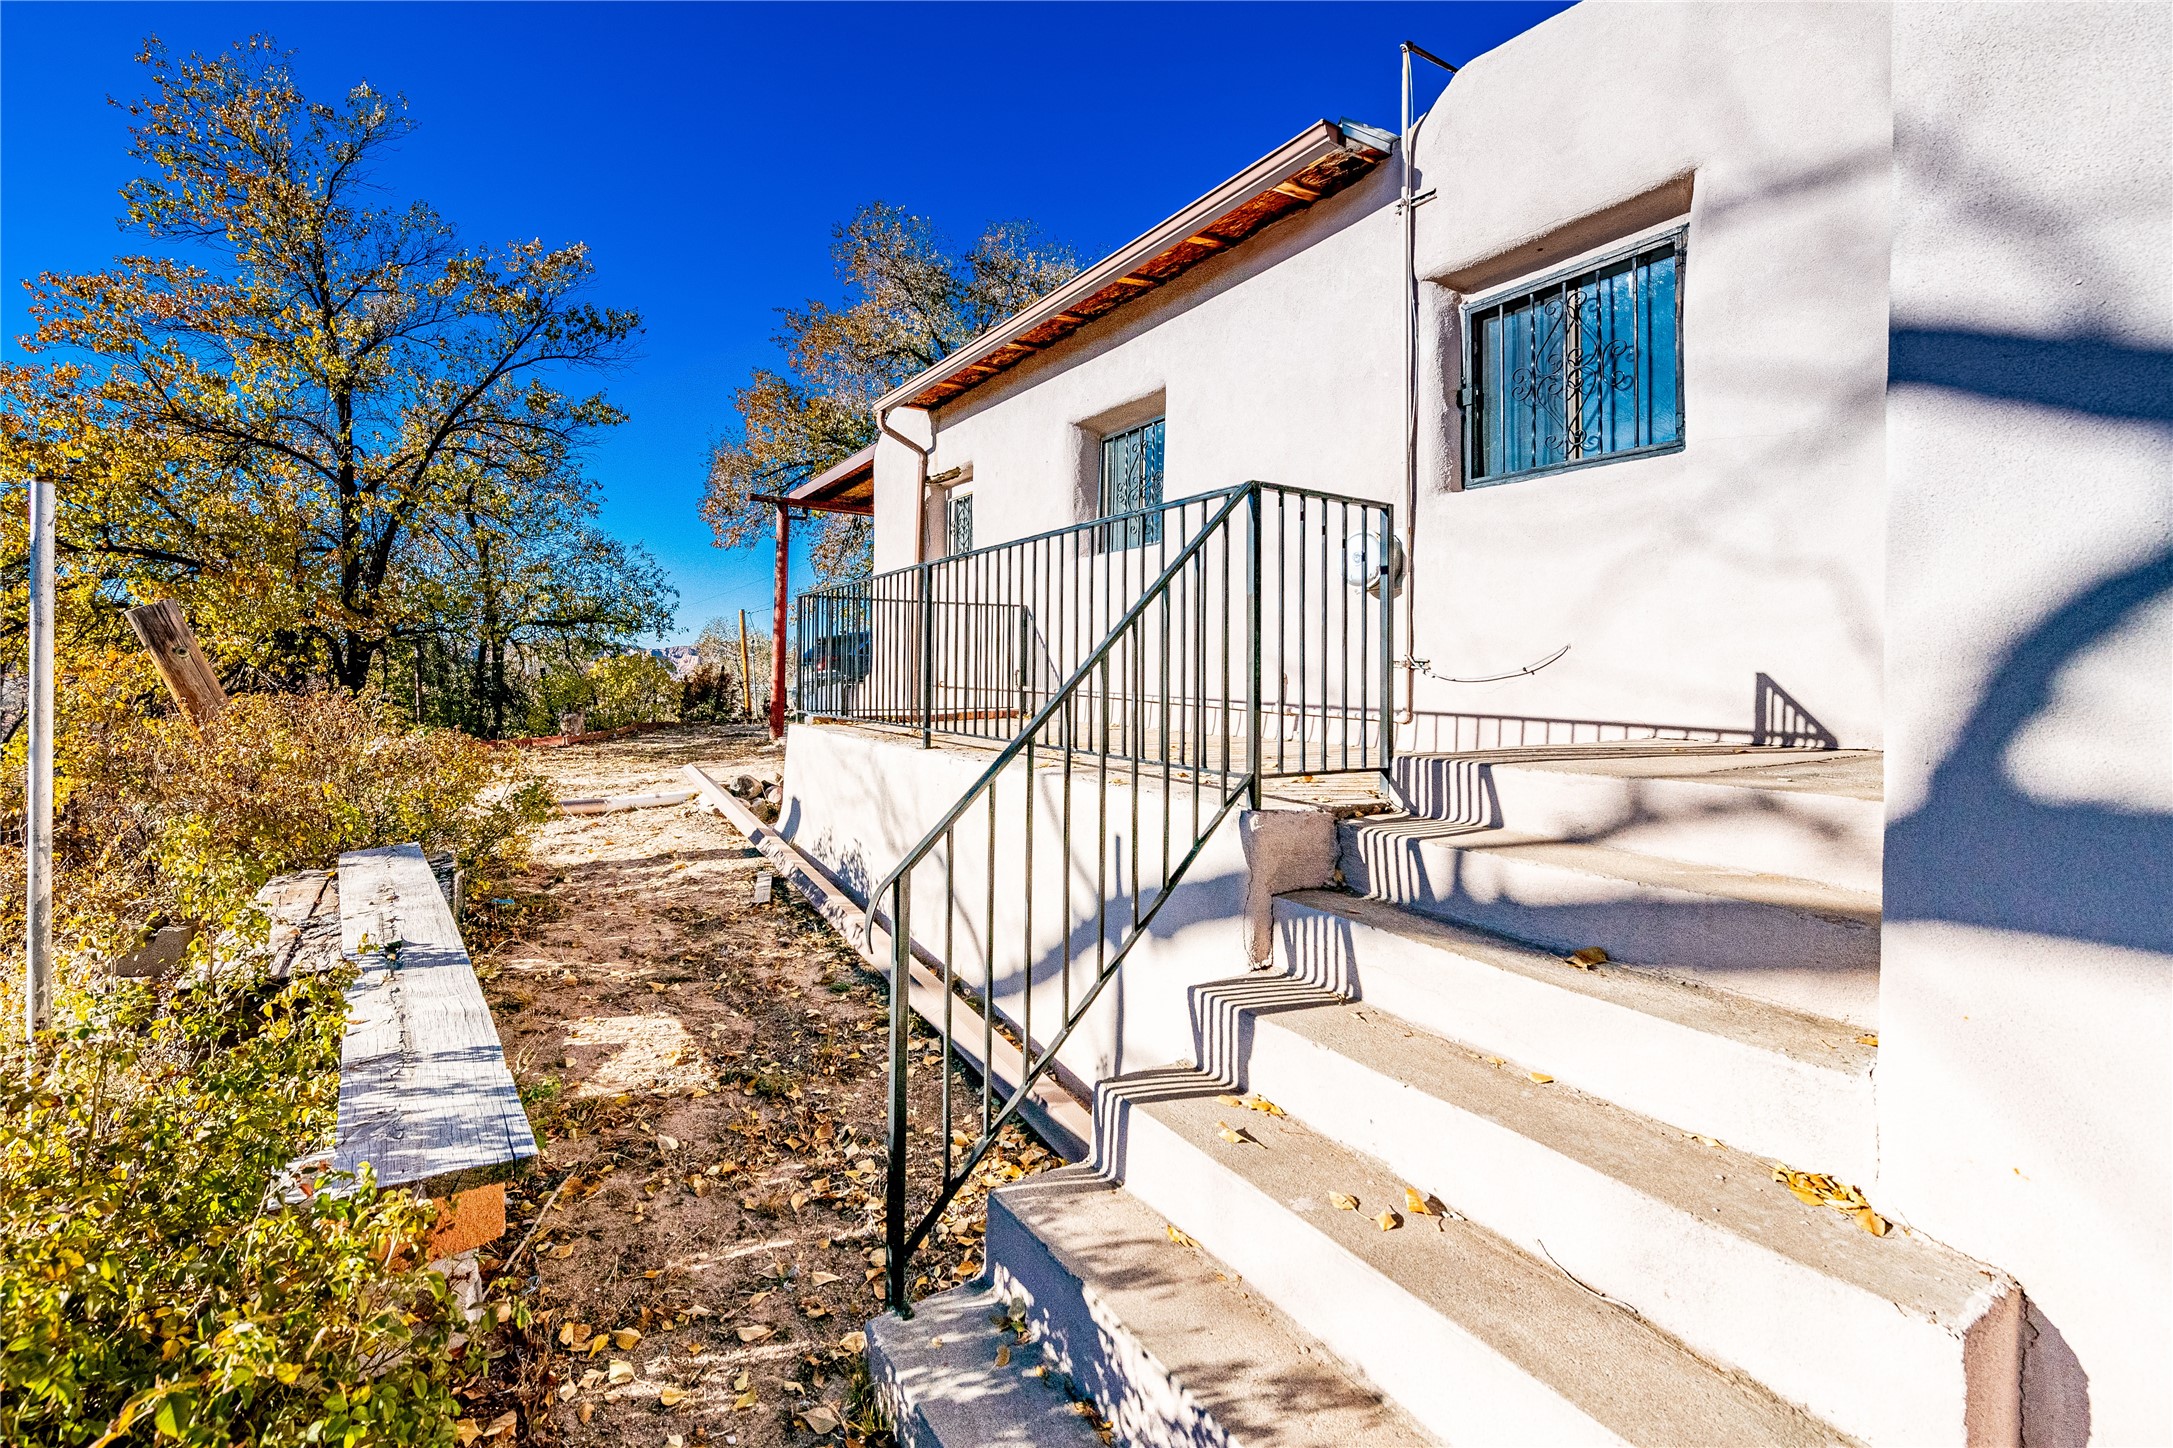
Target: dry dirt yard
[706, 1075]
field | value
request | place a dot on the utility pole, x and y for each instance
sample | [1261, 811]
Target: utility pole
[746, 676]
[38, 831]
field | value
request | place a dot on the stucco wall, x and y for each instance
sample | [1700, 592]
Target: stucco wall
[857, 800]
[1675, 580]
[1279, 362]
[2026, 1015]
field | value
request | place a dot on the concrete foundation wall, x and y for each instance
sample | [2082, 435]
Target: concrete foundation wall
[858, 800]
[2025, 1082]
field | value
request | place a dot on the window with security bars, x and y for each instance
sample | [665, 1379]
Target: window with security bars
[1131, 481]
[958, 523]
[1585, 367]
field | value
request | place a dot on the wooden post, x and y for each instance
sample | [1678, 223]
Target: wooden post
[777, 626]
[164, 630]
[746, 674]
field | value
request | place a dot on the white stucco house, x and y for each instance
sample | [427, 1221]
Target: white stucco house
[1608, 655]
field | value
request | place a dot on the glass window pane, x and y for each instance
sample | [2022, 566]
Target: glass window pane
[1581, 368]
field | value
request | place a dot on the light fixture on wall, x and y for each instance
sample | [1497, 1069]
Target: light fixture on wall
[1363, 554]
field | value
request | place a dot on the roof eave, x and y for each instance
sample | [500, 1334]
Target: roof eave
[985, 355]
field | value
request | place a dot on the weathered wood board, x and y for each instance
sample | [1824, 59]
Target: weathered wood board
[425, 1096]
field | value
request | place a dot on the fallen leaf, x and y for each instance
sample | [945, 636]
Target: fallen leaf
[1235, 1135]
[1389, 1221]
[625, 1337]
[745, 1400]
[1586, 958]
[855, 1341]
[1180, 1238]
[585, 1412]
[1541, 1077]
[501, 1425]
[1003, 1355]
[755, 1332]
[1871, 1222]
[621, 1371]
[1420, 1206]
[1257, 1102]
[667, 1143]
[562, 1252]
[743, 1382]
[1229, 1100]
[822, 1418]
[1867, 1039]
[466, 1431]
[671, 1397]
[1342, 1203]
[824, 1279]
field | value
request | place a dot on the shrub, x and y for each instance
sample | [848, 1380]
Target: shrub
[148, 1290]
[159, 824]
[152, 1288]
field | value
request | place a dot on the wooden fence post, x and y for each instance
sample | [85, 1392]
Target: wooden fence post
[746, 678]
[165, 632]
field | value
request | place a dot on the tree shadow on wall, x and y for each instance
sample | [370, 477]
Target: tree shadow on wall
[1981, 850]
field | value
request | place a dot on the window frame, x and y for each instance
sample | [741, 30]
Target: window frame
[1676, 237]
[957, 502]
[1139, 532]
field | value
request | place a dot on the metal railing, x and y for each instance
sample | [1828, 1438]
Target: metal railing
[1145, 689]
[970, 646]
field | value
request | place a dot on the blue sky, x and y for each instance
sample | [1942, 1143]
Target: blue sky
[704, 152]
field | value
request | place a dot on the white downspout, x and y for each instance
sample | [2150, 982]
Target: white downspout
[920, 484]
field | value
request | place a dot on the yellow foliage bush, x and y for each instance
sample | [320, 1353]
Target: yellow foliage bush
[159, 824]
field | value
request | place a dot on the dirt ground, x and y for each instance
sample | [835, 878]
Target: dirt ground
[706, 1074]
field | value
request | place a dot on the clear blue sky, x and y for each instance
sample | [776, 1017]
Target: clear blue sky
[704, 151]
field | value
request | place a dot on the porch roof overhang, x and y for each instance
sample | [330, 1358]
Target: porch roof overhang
[846, 486]
[1319, 161]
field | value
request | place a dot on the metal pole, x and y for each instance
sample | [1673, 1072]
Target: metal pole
[1252, 685]
[927, 655]
[894, 1185]
[777, 624]
[38, 912]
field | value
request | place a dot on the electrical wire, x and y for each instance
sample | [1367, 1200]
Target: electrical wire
[1424, 666]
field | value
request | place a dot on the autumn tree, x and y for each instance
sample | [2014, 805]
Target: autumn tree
[909, 301]
[282, 412]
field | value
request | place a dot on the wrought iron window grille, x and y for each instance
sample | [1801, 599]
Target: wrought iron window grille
[958, 523]
[1132, 485]
[1583, 366]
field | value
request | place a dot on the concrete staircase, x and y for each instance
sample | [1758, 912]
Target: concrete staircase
[1584, 1241]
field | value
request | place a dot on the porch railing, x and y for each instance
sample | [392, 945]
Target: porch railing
[1148, 673]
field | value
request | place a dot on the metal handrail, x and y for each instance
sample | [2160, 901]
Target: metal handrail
[1181, 591]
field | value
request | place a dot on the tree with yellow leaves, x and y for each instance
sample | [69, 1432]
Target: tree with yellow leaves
[302, 412]
[910, 302]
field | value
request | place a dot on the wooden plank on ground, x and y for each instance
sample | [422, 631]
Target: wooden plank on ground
[425, 1096]
[1062, 1119]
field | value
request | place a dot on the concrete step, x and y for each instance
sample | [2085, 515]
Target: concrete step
[1163, 1339]
[1815, 815]
[1893, 1339]
[1798, 943]
[1473, 1338]
[937, 1374]
[1760, 1077]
